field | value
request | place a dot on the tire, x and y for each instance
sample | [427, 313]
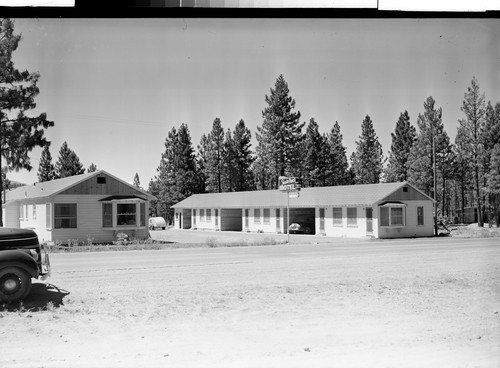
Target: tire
[15, 284]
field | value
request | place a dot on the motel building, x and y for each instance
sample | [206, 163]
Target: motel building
[386, 210]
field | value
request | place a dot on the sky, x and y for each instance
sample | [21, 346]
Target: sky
[115, 87]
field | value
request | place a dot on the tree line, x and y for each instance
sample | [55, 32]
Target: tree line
[459, 175]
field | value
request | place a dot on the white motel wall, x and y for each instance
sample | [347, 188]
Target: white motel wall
[390, 210]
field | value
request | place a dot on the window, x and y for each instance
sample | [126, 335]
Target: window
[48, 216]
[337, 216]
[101, 180]
[143, 214]
[34, 212]
[125, 214]
[391, 216]
[256, 215]
[352, 216]
[65, 215]
[209, 215]
[397, 216]
[107, 215]
[384, 216]
[267, 216]
[321, 219]
[420, 216]
[202, 215]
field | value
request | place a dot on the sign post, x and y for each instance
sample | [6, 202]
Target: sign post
[291, 186]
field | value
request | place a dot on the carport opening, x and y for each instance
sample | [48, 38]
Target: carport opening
[306, 217]
[231, 219]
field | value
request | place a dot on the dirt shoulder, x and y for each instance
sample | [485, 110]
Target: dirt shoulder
[395, 305]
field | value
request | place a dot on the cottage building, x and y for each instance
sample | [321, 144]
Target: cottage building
[93, 206]
[386, 210]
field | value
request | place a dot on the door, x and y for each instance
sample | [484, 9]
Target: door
[216, 218]
[246, 218]
[369, 220]
[194, 218]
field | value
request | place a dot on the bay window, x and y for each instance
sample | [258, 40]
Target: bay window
[392, 214]
[123, 214]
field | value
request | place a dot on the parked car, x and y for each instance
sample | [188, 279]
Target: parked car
[157, 222]
[299, 228]
[21, 259]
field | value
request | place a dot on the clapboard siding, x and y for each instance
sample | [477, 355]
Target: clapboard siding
[111, 187]
[89, 221]
[410, 195]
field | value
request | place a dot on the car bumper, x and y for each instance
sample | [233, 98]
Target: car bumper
[45, 264]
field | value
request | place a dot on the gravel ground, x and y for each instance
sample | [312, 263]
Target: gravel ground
[385, 304]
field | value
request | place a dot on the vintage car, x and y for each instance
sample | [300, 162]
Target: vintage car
[21, 259]
[157, 222]
[300, 228]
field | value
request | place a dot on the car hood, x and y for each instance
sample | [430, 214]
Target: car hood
[11, 238]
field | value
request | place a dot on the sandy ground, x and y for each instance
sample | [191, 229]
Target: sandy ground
[400, 304]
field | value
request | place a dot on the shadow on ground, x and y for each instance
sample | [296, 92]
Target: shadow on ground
[43, 296]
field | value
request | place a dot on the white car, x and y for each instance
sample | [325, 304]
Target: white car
[156, 222]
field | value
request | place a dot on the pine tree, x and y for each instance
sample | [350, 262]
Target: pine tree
[201, 161]
[317, 170]
[473, 107]
[46, 170]
[490, 137]
[215, 159]
[431, 148]
[92, 168]
[177, 177]
[68, 163]
[137, 182]
[337, 161]
[279, 137]
[493, 182]
[19, 133]
[367, 160]
[243, 157]
[402, 140]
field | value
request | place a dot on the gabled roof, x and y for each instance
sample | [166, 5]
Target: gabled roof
[53, 187]
[346, 195]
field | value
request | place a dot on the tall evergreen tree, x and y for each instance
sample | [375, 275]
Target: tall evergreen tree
[279, 137]
[367, 160]
[490, 137]
[431, 149]
[46, 170]
[201, 161]
[402, 140]
[241, 158]
[137, 181]
[177, 177]
[19, 133]
[92, 168]
[68, 163]
[493, 183]
[216, 156]
[316, 170]
[339, 167]
[473, 107]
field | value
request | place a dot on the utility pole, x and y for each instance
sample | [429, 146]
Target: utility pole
[435, 183]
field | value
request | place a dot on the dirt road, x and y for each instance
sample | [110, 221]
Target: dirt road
[405, 303]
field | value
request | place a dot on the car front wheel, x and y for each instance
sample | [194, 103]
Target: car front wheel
[15, 284]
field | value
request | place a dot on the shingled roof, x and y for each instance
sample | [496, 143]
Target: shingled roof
[52, 187]
[348, 195]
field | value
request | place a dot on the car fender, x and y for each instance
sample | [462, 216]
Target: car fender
[19, 258]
